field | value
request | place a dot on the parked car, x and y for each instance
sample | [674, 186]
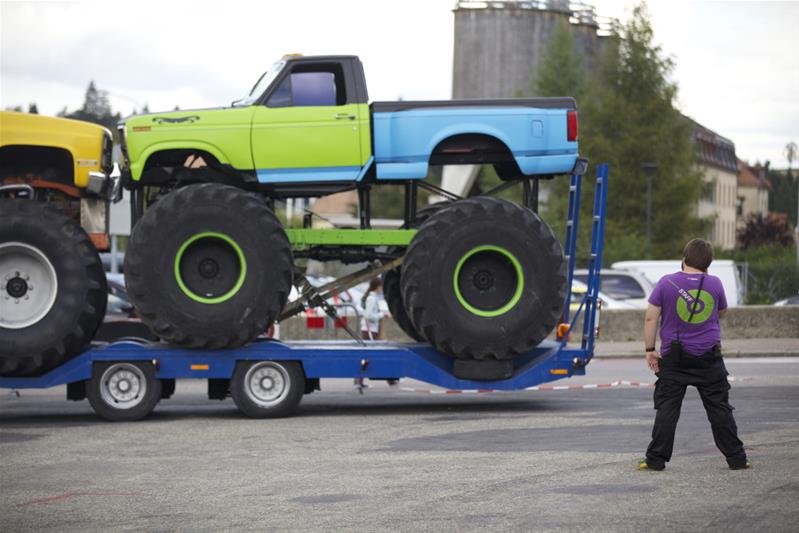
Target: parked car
[578, 292]
[626, 286]
[725, 269]
[790, 300]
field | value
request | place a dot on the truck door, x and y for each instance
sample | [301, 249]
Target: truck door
[306, 130]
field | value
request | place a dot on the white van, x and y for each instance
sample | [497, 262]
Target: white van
[724, 269]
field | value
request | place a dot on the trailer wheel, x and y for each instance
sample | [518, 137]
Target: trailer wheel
[267, 389]
[52, 288]
[484, 279]
[392, 290]
[209, 266]
[123, 391]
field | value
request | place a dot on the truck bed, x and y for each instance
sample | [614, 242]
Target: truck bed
[532, 132]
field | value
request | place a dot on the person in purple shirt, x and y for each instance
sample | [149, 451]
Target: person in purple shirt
[689, 304]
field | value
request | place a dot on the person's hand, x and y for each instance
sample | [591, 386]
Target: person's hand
[653, 360]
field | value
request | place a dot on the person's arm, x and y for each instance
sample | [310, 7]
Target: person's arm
[650, 334]
[722, 301]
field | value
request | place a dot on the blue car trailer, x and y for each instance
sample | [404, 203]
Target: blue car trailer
[267, 378]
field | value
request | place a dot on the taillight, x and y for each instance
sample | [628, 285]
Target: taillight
[571, 125]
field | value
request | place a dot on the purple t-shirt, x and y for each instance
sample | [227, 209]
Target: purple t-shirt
[675, 294]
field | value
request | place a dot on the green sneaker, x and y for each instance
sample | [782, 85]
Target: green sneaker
[744, 466]
[643, 465]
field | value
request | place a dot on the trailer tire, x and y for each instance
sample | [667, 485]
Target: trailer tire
[484, 279]
[267, 389]
[53, 289]
[122, 391]
[209, 266]
[392, 288]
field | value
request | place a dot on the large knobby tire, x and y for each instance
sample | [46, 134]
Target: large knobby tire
[209, 266]
[392, 290]
[485, 278]
[52, 288]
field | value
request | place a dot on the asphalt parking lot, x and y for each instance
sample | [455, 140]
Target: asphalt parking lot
[404, 461]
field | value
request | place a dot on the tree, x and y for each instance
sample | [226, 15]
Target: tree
[763, 231]
[783, 193]
[561, 70]
[791, 153]
[628, 117]
[96, 108]
[33, 109]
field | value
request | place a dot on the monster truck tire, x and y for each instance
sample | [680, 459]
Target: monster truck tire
[208, 266]
[483, 279]
[393, 295]
[391, 280]
[52, 288]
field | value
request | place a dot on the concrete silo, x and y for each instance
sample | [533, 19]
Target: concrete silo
[499, 45]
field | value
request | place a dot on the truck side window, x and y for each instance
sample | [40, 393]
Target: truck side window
[311, 85]
[282, 95]
[313, 88]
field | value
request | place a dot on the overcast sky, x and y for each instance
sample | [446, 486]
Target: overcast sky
[737, 63]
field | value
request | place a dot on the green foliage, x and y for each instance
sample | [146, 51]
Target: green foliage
[773, 272]
[561, 70]
[388, 200]
[628, 117]
[784, 192]
[759, 230]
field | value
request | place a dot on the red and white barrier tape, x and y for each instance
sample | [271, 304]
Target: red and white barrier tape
[614, 384]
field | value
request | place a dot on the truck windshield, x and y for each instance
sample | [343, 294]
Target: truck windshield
[261, 85]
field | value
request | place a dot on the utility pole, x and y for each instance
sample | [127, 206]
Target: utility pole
[649, 169]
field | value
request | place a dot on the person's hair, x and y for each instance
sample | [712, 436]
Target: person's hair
[373, 286]
[698, 254]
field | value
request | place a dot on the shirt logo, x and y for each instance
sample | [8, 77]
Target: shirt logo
[704, 306]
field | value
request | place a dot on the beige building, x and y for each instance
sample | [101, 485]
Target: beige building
[753, 190]
[719, 166]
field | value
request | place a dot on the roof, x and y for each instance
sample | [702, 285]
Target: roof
[752, 176]
[713, 149]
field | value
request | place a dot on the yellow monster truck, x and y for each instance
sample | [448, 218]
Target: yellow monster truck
[54, 200]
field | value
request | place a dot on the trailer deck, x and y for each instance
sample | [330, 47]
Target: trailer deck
[267, 378]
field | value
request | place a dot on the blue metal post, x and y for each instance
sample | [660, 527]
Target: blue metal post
[570, 245]
[595, 259]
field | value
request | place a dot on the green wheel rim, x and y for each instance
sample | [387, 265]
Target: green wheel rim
[217, 299]
[517, 295]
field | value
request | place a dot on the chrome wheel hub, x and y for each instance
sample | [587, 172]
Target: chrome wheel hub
[123, 386]
[28, 285]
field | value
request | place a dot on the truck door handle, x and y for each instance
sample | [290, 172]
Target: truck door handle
[342, 116]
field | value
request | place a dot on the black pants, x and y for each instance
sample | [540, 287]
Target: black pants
[708, 374]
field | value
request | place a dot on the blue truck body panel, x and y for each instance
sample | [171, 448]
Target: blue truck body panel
[537, 138]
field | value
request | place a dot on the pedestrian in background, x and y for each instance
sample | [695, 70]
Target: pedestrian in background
[371, 320]
[689, 304]
[372, 315]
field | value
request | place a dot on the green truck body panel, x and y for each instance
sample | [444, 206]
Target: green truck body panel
[309, 137]
[224, 133]
[256, 137]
